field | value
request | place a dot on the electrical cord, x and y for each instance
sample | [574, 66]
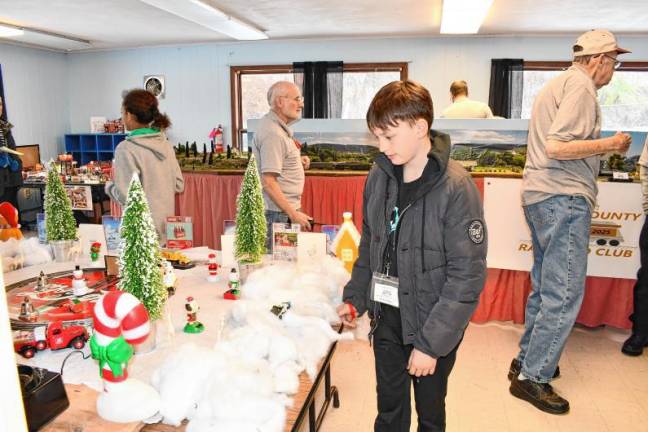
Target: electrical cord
[70, 354]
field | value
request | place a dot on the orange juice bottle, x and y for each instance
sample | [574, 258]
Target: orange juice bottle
[346, 242]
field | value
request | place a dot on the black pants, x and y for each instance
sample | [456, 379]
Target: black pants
[639, 315]
[10, 195]
[394, 405]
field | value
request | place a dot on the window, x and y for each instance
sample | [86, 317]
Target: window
[250, 84]
[624, 101]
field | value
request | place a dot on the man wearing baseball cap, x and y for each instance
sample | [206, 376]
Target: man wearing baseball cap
[558, 195]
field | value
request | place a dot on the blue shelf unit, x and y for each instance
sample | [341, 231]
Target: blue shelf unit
[92, 147]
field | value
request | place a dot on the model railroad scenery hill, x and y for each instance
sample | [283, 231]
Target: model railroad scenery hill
[490, 158]
[323, 156]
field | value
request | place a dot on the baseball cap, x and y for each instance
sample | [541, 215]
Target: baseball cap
[597, 42]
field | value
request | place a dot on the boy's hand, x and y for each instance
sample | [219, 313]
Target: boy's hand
[347, 313]
[421, 364]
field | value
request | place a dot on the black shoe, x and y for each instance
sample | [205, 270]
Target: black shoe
[541, 396]
[516, 368]
[634, 345]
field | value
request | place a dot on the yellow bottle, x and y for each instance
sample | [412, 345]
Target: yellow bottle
[346, 242]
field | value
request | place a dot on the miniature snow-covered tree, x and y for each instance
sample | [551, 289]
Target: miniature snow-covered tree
[139, 261]
[249, 241]
[59, 220]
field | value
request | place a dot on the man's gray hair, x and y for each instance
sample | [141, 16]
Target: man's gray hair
[276, 90]
[585, 59]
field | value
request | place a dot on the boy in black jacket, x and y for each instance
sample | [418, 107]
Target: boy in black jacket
[422, 262]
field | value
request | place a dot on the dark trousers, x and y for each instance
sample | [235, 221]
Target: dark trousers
[10, 195]
[639, 315]
[394, 382]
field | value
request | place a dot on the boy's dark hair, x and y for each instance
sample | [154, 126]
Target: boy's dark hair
[400, 100]
[144, 106]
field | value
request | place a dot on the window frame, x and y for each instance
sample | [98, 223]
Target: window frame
[626, 66]
[236, 72]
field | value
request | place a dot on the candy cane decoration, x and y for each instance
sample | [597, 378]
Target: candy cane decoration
[119, 320]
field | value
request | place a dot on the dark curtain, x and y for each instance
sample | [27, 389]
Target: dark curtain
[321, 86]
[4, 102]
[505, 97]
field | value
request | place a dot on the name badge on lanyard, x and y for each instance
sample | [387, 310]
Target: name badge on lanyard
[384, 289]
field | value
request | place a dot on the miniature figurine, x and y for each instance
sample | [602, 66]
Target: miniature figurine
[213, 269]
[42, 281]
[280, 309]
[27, 311]
[95, 247]
[192, 325]
[169, 278]
[233, 292]
[79, 286]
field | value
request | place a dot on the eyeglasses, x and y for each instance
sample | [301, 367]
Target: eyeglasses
[617, 63]
[298, 99]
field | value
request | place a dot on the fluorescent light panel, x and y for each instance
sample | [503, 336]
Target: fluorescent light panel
[463, 16]
[207, 15]
[41, 38]
[6, 31]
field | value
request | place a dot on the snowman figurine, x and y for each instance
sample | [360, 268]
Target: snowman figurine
[233, 292]
[79, 285]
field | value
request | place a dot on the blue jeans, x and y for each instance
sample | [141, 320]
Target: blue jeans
[273, 216]
[560, 230]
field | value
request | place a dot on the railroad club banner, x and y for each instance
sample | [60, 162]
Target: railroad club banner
[614, 236]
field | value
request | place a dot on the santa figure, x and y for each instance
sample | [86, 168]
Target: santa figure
[212, 267]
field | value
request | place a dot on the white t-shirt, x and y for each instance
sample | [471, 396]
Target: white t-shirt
[464, 108]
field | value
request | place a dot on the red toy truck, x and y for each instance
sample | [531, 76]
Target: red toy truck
[55, 337]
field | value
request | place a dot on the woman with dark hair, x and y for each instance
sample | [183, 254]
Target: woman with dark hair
[10, 165]
[147, 152]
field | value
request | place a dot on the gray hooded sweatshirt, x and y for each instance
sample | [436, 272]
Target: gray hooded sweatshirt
[152, 157]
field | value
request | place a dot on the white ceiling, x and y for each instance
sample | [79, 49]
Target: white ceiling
[110, 24]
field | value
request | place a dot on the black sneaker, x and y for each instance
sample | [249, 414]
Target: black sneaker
[516, 368]
[541, 396]
[634, 345]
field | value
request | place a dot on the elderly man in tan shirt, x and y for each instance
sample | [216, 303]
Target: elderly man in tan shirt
[281, 165]
[558, 194]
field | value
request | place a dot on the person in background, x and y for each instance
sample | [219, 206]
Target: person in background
[281, 165]
[147, 152]
[636, 343]
[559, 189]
[10, 165]
[422, 258]
[462, 107]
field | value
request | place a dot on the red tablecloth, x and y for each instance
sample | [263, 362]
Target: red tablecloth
[210, 199]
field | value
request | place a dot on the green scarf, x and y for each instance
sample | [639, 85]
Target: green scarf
[143, 131]
[116, 354]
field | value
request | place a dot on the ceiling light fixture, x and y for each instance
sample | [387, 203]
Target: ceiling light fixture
[207, 15]
[463, 16]
[42, 38]
[7, 31]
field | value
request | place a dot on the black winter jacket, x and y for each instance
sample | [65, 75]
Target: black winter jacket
[442, 247]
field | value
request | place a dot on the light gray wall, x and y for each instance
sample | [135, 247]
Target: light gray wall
[197, 76]
[37, 96]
